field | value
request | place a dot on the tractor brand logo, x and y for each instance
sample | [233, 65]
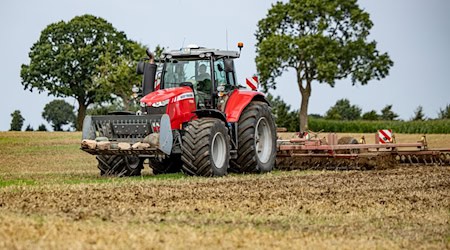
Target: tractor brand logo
[189, 95]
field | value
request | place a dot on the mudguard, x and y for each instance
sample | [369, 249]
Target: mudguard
[239, 99]
[165, 135]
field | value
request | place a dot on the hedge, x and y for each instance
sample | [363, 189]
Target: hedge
[362, 126]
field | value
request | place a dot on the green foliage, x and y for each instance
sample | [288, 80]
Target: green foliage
[342, 110]
[104, 108]
[444, 113]
[418, 114]
[58, 113]
[118, 76]
[321, 41]
[42, 128]
[64, 61]
[158, 51]
[284, 117]
[29, 128]
[361, 126]
[371, 116]
[17, 121]
[387, 114]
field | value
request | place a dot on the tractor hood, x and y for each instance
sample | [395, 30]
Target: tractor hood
[164, 95]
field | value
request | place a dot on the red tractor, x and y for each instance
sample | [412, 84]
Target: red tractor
[194, 117]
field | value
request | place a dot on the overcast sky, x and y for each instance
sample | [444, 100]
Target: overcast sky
[415, 33]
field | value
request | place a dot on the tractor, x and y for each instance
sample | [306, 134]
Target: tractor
[194, 117]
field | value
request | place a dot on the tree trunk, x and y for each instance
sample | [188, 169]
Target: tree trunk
[303, 114]
[81, 114]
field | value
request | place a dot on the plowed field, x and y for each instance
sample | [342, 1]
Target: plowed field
[52, 197]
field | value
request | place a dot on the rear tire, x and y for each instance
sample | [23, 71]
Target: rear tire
[116, 165]
[206, 148]
[256, 140]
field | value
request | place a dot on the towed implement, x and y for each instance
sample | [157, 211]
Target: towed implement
[194, 117]
[347, 153]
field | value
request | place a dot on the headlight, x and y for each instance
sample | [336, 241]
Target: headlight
[160, 104]
[143, 104]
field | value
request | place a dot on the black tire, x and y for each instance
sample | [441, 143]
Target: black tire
[166, 164]
[348, 140]
[255, 156]
[206, 148]
[116, 165]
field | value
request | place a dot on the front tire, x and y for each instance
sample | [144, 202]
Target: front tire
[116, 165]
[206, 148]
[256, 140]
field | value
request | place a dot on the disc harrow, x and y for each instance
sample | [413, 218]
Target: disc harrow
[347, 153]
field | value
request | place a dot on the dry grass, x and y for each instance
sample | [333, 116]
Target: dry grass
[48, 201]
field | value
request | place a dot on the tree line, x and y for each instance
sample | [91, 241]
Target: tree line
[345, 117]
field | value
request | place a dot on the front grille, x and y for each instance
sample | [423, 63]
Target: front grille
[125, 128]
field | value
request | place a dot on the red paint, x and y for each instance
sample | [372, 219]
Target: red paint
[180, 106]
[239, 99]
[164, 94]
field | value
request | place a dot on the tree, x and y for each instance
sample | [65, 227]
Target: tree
[322, 41]
[65, 58]
[371, 116]
[444, 113]
[342, 110]
[29, 128]
[284, 117]
[17, 121]
[42, 128]
[120, 75]
[387, 114]
[104, 108]
[418, 114]
[58, 113]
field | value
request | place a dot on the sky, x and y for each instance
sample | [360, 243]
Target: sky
[415, 33]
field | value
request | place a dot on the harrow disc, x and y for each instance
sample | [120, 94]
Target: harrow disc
[437, 159]
[361, 162]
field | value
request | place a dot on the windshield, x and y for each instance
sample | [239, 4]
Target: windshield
[189, 70]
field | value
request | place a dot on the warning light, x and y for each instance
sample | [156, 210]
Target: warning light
[240, 45]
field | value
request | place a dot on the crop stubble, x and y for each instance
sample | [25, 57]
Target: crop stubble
[395, 208]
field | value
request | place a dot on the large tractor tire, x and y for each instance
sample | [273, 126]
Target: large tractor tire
[115, 165]
[256, 140]
[166, 164]
[206, 148]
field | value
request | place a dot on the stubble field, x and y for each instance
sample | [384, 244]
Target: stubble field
[52, 197]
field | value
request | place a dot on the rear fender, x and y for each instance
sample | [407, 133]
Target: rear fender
[239, 99]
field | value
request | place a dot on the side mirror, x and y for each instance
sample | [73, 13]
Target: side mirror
[229, 65]
[140, 68]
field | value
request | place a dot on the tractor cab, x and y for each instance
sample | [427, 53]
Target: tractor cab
[209, 72]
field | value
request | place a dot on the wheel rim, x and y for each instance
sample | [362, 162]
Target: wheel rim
[133, 162]
[218, 150]
[263, 140]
